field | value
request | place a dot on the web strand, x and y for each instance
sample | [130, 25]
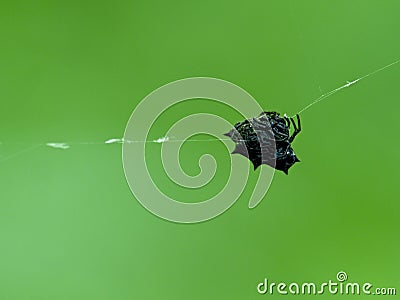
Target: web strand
[13, 155]
[348, 84]
[66, 145]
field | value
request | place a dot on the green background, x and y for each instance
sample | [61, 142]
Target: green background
[73, 71]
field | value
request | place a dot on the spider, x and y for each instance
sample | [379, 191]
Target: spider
[266, 139]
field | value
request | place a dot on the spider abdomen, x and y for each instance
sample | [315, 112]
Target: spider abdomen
[266, 140]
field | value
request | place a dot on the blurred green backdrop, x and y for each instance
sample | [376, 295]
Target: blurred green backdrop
[73, 71]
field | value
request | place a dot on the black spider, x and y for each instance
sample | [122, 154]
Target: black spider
[266, 140]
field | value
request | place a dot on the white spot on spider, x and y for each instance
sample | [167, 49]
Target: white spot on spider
[62, 146]
[349, 83]
[161, 140]
[113, 141]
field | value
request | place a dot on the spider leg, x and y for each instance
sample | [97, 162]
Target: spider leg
[294, 124]
[298, 122]
[297, 128]
[287, 121]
